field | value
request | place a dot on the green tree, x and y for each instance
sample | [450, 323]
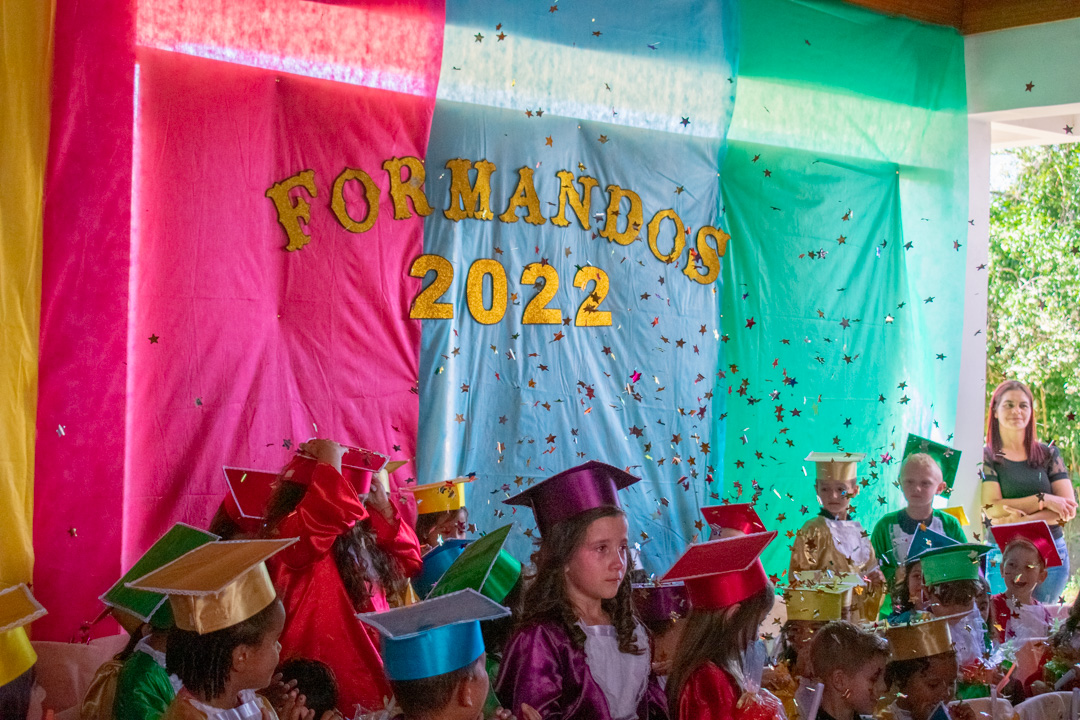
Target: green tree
[1033, 328]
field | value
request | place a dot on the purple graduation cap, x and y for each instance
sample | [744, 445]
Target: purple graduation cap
[658, 605]
[573, 491]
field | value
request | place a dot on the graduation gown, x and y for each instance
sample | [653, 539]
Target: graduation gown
[320, 620]
[541, 667]
[710, 693]
[143, 690]
[185, 707]
[842, 546]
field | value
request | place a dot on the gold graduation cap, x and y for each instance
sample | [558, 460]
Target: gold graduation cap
[18, 608]
[919, 639]
[440, 496]
[216, 585]
[817, 603]
[835, 465]
[958, 513]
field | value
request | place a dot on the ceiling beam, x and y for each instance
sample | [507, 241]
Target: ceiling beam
[987, 15]
[976, 16]
[935, 12]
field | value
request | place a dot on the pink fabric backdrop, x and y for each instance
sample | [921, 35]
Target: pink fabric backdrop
[79, 465]
[257, 346]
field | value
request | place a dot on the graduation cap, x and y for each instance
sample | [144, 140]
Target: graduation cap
[659, 604]
[560, 497]
[919, 639]
[358, 466]
[1035, 532]
[947, 458]
[817, 603]
[249, 490]
[437, 561]
[835, 465]
[925, 540]
[440, 496]
[216, 585]
[737, 518]
[958, 513]
[433, 637]
[721, 573]
[18, 608]
[147, 606]
[482, 566]
[956, 562]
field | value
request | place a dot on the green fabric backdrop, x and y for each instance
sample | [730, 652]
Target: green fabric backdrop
[845, 191]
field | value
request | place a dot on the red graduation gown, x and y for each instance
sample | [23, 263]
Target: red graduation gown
[320, 620]
[711, 694]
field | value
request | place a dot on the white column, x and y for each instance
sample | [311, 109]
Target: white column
[971, 399]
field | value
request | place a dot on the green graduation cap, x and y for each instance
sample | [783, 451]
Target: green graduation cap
[947, 458]
[955, 562]
[435, 636]
[148, 606]
[484, 566]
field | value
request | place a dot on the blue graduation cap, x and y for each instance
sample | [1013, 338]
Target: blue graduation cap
[437, 561]
[925, 540]
[433, 637]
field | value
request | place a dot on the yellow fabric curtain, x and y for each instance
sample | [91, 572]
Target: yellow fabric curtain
[26, 37]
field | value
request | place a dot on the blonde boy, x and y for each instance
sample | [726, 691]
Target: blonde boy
[921, 480]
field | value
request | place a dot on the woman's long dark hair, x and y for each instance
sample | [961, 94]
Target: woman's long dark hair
[1036, 451]
[348, 549]
[546, 598]
[718, 637]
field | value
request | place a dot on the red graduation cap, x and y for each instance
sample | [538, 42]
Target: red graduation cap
[245, 503]
[573, 491]
[740, 517]
[1036, 532]
[720, 573]
[358, 465]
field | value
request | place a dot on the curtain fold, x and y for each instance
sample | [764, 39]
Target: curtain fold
[26, 35]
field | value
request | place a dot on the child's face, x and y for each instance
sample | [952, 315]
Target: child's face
[480, 684]
[452, 527]
[936, 684]
[940, 609]
[255, 664]
[665, 643]
[866, 687]
[835, 495]
[921, 483]
[1022, 569]
[800, 633]
[982, 601]
[916, 586]
[598, 565]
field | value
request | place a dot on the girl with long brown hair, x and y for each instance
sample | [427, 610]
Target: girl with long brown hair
[354, 551]
[579, 653]
[730, 596]
[1024, 479]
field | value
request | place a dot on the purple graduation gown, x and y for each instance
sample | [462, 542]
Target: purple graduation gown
[542, 668]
